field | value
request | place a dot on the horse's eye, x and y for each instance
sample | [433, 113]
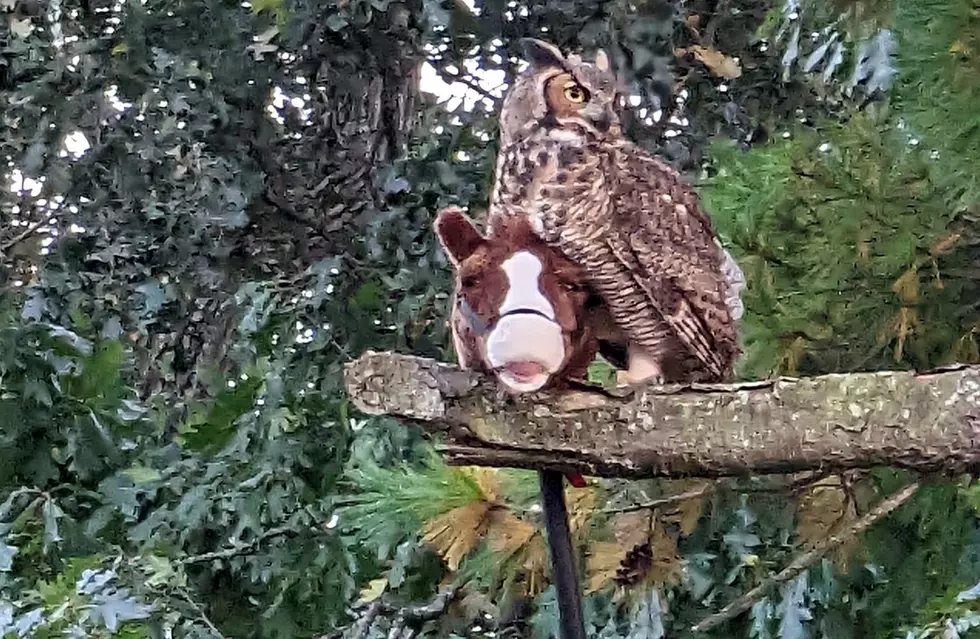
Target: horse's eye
[574, 287]
[470, 281]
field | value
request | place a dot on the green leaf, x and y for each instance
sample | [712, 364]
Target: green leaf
[21, 28]
[336, 21]
[154, 297]
[762, 613]
[647, 617]
[274, 7]
[142, 474]
[371, 296]
[162, 572]
[212, 429]
[971, 594]
[52, 514]
[112, 328]
[793, 610]
[73, 339]
[35, 306]
[545, 621]
[601, 372]
[116, 607]
[7, 553]
[100, 375]
[37, 390]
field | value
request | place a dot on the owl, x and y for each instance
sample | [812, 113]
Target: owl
[624, 215]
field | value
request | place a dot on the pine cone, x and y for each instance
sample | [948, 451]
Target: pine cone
[635, 565]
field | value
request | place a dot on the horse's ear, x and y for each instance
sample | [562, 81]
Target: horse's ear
[457, 234]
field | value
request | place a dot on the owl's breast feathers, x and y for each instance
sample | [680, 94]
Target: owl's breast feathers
[553, 177]
[637, 228]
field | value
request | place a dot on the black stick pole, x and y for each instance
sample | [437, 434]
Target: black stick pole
[562, 555]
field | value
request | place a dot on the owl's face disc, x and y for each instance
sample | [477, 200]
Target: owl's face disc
[561, 92]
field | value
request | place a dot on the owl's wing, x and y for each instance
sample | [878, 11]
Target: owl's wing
[667, 180]
[687, 297]
[664, 238]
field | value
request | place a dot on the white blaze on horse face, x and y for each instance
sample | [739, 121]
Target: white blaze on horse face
[525, 349]
[523, 270]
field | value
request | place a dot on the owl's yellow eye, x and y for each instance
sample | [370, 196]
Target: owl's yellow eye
[574, 92]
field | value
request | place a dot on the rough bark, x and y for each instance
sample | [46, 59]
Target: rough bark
[926, 422]
[364, 93]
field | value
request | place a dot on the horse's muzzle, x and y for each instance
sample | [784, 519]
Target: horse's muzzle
[525, 348]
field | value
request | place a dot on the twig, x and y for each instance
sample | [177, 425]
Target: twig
[396, 628]
[364, 624]
[20, 492]
[343, 351]
[400, 628]
[793, 487]
[17, 239]
[186, 596]
[236, 550]
[663, 501]
[848, 480]
[803, 561]
[464, 80]
[273, 197]
[435, 607]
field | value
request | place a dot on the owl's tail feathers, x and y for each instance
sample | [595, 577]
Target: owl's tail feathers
[575, 480]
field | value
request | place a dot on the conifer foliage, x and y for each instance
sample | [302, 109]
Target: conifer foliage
[208, 207]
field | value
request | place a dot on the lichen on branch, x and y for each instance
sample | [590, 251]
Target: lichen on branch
[920, 421]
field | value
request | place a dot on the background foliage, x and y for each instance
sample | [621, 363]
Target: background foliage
[208, 207]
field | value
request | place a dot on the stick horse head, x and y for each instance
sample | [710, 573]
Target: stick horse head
[520, 310]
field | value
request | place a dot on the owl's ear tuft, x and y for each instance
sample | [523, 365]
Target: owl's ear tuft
[457, 234]
[602, 60]
[542, 54]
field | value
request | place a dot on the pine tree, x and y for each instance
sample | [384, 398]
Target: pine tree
[177, 457]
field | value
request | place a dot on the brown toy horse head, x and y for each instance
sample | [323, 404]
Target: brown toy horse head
[520, 310]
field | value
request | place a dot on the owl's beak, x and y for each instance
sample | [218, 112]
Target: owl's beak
[603, 122]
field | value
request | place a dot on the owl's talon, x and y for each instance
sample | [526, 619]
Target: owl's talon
[643, 369]
[624, 379]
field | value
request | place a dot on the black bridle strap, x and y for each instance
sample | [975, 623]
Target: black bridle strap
[480, 327]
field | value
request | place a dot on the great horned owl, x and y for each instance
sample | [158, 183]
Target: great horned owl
[639, 231]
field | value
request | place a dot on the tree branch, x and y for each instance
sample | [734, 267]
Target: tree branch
[434, 608]
[363, 627]
[925, 422]
[404, 618]
[186, 596]
[449, 78]
[663, 501]
[804, 561]
[791, 487]
[233, 551]
[20, 237]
